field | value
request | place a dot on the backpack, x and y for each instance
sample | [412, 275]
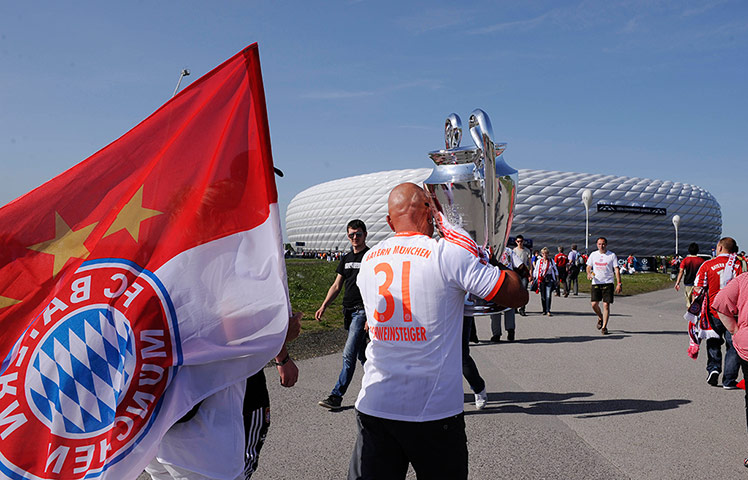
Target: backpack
[579, 261]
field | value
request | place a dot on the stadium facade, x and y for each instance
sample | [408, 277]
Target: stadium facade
[635, 214]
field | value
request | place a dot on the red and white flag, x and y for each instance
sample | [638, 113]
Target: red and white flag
[140, 281]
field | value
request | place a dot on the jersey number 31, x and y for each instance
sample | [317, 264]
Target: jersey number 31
[385, 291]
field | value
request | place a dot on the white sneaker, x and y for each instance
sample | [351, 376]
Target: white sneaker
[481, 399]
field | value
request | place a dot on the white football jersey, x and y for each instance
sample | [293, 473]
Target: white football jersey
[413, 288]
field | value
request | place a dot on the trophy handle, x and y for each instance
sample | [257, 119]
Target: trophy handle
[482, 133]
[452, 131]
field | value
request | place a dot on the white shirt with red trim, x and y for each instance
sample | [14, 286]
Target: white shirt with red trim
[603, 266]
[413, 288]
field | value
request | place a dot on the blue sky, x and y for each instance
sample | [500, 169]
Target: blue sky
[653, 89]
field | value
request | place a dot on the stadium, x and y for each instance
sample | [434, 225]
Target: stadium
[635, 214]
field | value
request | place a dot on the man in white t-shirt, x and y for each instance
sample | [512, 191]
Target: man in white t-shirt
[511, 261]
[525, 268]
[602, 265]
[409, 409]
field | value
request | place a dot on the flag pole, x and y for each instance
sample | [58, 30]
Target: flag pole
[184, 73]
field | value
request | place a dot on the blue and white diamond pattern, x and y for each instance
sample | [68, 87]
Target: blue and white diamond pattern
[81, 370]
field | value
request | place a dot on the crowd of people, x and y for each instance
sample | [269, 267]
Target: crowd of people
[551, 275]
[716, 297]
[415, 340]
[403, 307]
[327, 255]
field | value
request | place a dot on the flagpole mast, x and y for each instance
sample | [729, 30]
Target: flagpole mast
[184, 73]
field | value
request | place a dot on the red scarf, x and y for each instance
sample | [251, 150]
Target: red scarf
[543, 267]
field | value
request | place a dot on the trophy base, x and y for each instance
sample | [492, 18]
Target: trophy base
[476, 307]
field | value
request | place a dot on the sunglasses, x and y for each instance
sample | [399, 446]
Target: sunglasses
[355, 234]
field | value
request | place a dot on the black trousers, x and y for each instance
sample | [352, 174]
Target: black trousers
[744, 368]
[469, 369]
[437, 449]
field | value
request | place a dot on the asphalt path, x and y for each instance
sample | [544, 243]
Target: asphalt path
[564, 403]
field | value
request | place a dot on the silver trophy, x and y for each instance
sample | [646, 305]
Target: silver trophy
[475, 189]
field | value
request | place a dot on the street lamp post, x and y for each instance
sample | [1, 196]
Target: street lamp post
[587, 199]
[676, 224]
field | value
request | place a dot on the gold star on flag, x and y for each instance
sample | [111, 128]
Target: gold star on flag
[131, 215]
[67, 243]
[7, 302]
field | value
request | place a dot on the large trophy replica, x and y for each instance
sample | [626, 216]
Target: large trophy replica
[476, 190]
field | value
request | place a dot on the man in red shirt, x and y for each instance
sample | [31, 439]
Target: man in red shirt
[560, 260]
[713, 275]
[687, 272]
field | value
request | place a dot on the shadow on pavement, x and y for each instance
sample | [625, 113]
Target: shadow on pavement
[341, 409]
[573, 314]
[573, 339]
[656, 332]
[614, 334]
[546, 403]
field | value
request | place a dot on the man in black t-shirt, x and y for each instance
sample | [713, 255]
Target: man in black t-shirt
[353, 311]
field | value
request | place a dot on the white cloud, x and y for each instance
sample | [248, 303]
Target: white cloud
[337, 94]
[703, 8]
[631, 26]
[518, 25]
[346, 94]
[435, 19]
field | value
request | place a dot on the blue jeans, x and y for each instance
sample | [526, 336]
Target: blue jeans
[714, 354]
[355, 346]
[546, 294]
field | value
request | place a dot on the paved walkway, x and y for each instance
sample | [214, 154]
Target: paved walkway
[564, 403]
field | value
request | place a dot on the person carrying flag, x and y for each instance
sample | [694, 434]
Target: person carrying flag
[713, 276]
[139, 283]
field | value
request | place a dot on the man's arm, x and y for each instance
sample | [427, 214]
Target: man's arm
[726, 304]
[511, 293]
[729, 322]
[680, 276]
[287, 369]
[618, 279]
[332, 294]
[589, 272]
[700, 281]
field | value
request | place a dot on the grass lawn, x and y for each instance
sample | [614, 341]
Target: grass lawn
[308, 283]
[636, 283]
[309, 280]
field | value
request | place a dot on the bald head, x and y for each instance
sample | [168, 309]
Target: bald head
[409, 210]
[727, 245]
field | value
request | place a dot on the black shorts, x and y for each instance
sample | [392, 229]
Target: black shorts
[603, 291]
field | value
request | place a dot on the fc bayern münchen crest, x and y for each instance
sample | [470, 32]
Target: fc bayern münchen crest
[86, 378]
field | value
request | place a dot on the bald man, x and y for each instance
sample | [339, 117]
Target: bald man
[409, 409]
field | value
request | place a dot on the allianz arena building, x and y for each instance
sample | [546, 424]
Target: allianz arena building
[634, 214]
